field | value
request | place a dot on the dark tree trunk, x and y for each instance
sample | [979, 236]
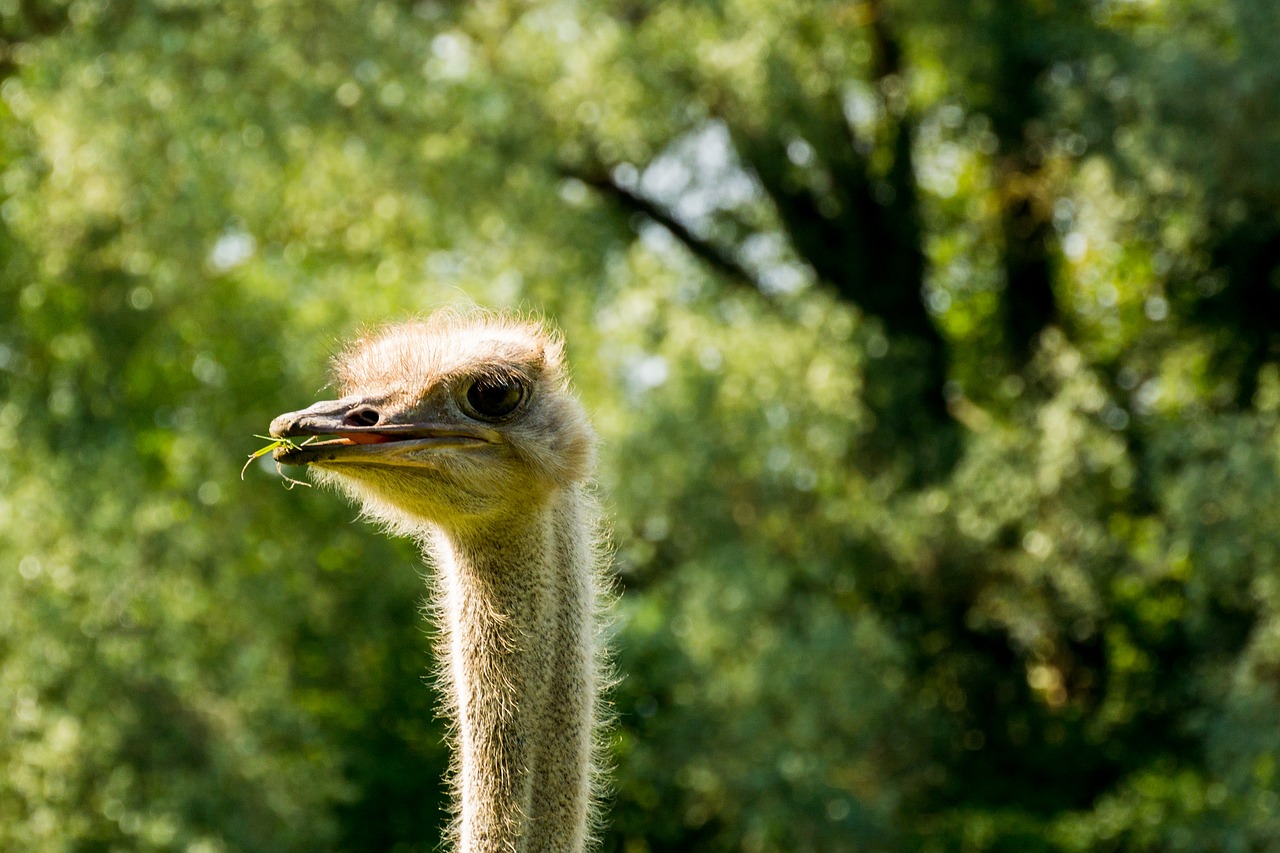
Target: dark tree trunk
[1239, 302]
[1026, 215]
[1029, 305]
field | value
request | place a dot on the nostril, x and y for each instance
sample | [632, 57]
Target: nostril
[364, 417]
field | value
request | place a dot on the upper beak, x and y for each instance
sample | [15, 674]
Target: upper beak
[349, 420]
[324, 418]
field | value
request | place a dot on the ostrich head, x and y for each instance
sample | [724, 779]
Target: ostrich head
[451, 420]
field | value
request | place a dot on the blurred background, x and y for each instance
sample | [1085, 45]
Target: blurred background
[932, 343]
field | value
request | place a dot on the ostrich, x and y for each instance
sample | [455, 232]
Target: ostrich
[460, 431]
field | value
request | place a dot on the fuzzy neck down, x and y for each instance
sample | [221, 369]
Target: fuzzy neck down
[517, 601]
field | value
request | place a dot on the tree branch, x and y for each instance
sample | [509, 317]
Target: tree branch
[719, 258]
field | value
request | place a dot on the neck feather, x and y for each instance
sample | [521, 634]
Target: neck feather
[517, 604]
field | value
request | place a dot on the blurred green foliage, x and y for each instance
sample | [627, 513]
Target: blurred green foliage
[932, 345]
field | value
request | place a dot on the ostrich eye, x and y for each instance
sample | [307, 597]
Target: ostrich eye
[493, 399]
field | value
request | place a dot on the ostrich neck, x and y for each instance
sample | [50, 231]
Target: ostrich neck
[519, 659]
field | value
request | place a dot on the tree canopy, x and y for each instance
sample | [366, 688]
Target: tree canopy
[931, 344]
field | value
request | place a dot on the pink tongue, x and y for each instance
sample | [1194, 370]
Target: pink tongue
[363, 437]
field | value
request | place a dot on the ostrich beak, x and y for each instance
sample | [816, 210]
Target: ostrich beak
[357, 441]
[323, 418]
